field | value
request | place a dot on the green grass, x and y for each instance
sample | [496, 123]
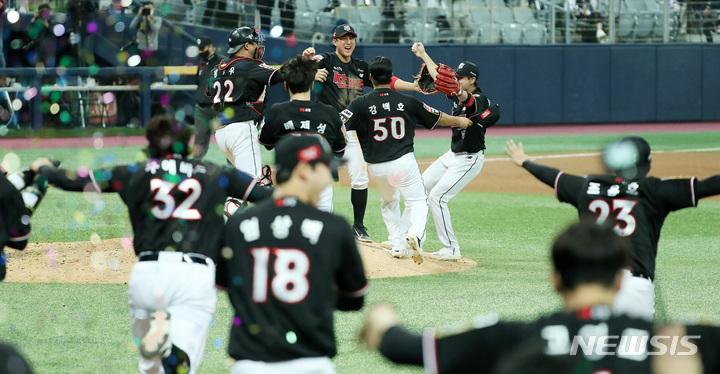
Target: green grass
[84, 328]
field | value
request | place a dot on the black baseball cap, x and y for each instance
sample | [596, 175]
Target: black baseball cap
[467, 69]
[292, 149]
[203, 42]
[629, 158]
[343, 30]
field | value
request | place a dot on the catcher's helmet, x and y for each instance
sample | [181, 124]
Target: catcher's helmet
[242, 35]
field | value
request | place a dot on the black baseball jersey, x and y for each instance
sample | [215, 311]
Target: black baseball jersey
[617, 344]
[385, 123]
[472, 139]
[302, 116]
[290, 265]
[707, 340]
[14, 217]
[240, 83]
[203, 79]
[637, 207]
[174, 204]
[345, 80]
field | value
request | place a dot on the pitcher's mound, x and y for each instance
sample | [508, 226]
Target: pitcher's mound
[111, 260]
[380, 264]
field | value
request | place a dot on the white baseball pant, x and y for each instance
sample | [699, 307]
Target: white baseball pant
[186, 291]
[326, 199]
[238, 141]
[401, 177]
[444, 179]
[309, 365]
[357, 168]
[636, 297]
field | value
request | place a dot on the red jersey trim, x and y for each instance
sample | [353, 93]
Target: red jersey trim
[392, 82]
[270, 77]
[692, 191]
[95, 183]
[249, 189]
[429, 347]
[19, 238]
[436, 122]
[557, 179]
[361, 292]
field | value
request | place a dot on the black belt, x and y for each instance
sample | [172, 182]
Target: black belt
[641, 275]
[193, 258]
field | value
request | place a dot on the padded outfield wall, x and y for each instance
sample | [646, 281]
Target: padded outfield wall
[583, 83]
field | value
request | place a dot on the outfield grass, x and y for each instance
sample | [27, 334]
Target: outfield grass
[84, 328]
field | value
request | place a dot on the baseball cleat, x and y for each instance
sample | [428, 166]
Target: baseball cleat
[386, 245]
[156, 341]
[414, 248]
[361, 234]
[399, 253]
[445, 255]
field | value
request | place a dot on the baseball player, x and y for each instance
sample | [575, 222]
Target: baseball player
[297, 265]
[385, 124]
[20, 194]
[635, 203]
[342, 79]
[238, 86]
[302, 116]
[450, 173]
[174, 206]
[204, 113]
[588, 262]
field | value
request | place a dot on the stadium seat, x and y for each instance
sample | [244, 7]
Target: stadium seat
[534, 33]
[523, 15]
[512, 33]
[488, 31]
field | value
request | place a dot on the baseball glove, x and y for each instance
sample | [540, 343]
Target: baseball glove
[446, 81]
[425, 82]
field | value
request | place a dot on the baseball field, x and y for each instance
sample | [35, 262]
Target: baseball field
[64, 304]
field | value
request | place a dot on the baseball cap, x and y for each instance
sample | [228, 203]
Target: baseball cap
[203, 42]
[293, 149]
[467, 69]
[629, 158]
[343, 30]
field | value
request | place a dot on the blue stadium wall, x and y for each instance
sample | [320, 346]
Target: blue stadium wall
[583, 83]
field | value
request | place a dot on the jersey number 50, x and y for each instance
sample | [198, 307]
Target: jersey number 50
[625, 207]
[290, 284]
[397, 128]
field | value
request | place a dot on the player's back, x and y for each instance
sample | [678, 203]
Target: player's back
[290, 258]
[240, 84]
[174, 204]
[637, 208]
[385, 123]
[618, 344]
[300, 116]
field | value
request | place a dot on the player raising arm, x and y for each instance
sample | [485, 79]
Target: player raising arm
[588, 262]
[238, 87]
[385, 124]
[20, 194]
[342, 78]
[175, 207]
[302, 116]
[450, 173]
[633, 202]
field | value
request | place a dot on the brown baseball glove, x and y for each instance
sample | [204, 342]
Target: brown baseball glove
[425, 81]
